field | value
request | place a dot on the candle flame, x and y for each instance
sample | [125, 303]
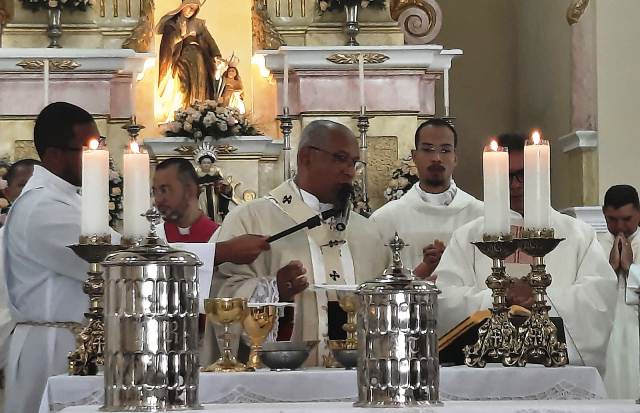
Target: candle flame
[535, 137]
[134, 147]
[93, 144]
[494, 146]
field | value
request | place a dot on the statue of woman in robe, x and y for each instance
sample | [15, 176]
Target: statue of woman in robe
[187, 54]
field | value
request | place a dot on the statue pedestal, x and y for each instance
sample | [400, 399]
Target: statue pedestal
[252, 161]
[98, 80]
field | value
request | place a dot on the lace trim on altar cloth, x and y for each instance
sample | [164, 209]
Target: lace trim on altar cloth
[240, 394]
[561, 391]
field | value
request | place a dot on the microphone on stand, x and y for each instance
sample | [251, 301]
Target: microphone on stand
[340, 212]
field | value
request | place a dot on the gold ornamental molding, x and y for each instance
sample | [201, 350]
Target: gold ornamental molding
[187, 150]
[352, 58]
[61, 65]
[576, 10]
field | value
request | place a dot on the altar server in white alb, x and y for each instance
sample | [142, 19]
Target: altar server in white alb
[328, 254]
[583, 291]
[426, 216]
[44, 277]
[621, 244]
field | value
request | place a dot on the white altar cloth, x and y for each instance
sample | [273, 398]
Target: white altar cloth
[520, 406]
[335, 385]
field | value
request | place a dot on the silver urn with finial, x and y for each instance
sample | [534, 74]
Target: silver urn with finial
[151, 327]
[398, 362]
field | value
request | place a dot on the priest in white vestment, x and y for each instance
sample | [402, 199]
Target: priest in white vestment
[583, 291]
[44, 277]
[621, 244]
[426, 216]
[328, 254]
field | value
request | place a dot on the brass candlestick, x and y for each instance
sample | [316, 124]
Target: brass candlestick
[258, 323]
[496, 335]
[286, 126]
[226, 311]
[537, 337]
[88, 355]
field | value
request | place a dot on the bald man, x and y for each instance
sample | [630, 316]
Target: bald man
[330, 253]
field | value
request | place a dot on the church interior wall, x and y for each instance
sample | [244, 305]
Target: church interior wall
[618, 78]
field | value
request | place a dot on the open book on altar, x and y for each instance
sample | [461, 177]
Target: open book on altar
[465, 333]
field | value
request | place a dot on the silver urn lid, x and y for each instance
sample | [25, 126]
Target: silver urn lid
[152, 250]
[397, 277]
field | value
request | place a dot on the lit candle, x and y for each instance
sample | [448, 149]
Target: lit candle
[537, 183]
[285, 85]
[495, 165]
[361, 76]
[95, 191]
[46, 82]
[136, 192]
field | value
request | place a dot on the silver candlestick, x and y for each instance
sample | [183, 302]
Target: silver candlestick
[133, 129]
[363, 128]
[286, 126]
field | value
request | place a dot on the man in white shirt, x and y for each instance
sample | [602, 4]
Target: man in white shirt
[44, 277]
[583, 291]
[426, 216]
[621, 244]
[330, 253]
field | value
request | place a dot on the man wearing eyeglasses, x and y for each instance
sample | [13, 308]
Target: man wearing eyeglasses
[329, 254]
[426, 216]
[583, 292]
[44, 277]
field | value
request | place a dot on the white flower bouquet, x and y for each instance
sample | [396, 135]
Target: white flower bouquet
[403, 177]
[337, 5]
[57, 4]
[209, 118]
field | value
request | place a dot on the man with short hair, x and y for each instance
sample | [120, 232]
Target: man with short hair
[426, 216]
[621, 244]
[44, 277]
[584, 285]
[330, 253]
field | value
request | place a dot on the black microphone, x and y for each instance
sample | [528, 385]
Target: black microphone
[312, 222]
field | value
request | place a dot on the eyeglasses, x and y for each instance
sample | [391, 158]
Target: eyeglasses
[441, 149]
[344, 159]
[517, 175]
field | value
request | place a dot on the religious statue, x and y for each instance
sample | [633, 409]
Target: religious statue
[215, 191]
[188, 55]
[233, 93]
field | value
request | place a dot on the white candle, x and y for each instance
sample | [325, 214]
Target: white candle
[46, 82]
[285, 85]
[136, 192]
[537, 183]
[495, 164]
[446, 92]
[95, 190]
[361, 78]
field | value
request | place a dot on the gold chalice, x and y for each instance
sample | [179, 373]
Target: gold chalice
[226, 311]
[258, 323]
[349, 303]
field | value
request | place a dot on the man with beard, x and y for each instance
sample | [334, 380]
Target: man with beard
[621, 244]
[175, 190]
[330, 253]
[426, 216]
[583, 292]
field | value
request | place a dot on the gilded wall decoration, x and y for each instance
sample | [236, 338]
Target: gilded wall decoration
[61, 65]
[25, 149]
[576, 10]
[382, 154]
[352, 58]
[141, 38]
[265, 34]
[420, 20]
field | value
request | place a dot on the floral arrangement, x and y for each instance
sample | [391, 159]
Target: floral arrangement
[403, 177]
[57, 4]
[209, 118]
[337, 5]
[115, 195]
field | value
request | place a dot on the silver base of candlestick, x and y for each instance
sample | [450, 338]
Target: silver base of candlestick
[361, 201]
[286, 126]
[133, 129]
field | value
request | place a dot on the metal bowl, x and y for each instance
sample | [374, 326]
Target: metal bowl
[286, 355]
[345, 353]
